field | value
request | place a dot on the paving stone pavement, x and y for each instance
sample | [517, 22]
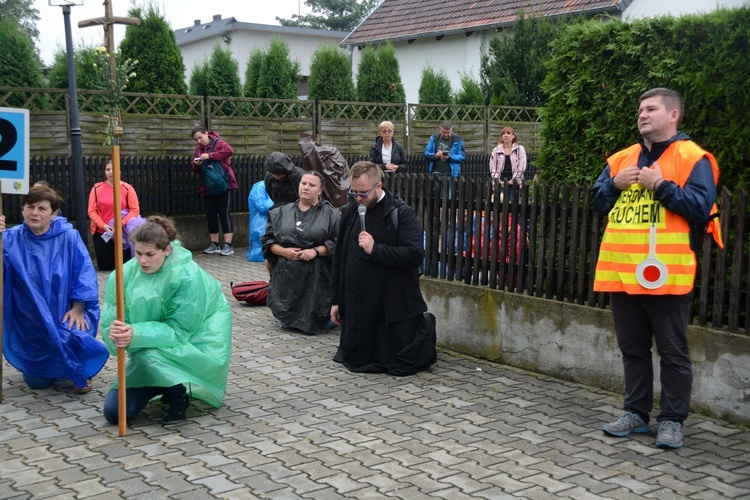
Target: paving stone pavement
[294, 424]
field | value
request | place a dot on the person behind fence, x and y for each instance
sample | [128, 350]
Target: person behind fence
[386, 152]
[659, 199]
[508, 159]
[177, 331]
[213, 160]
[299, 242]
[445, 151]
[51, 299]
[385, 326]
[282, 179]
[102, 214]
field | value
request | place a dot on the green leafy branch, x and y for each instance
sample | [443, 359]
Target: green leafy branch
[113, 88]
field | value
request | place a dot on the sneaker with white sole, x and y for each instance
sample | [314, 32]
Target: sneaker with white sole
[227, 249]
[669, 435]
[627, 423]
[213, 248]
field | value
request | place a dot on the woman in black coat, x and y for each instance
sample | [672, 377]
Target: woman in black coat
[386, 152]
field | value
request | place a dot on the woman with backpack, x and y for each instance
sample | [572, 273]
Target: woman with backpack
[212, 159]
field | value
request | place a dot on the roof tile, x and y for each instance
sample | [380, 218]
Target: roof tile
[405, 19]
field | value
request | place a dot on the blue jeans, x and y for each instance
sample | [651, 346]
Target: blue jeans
[38, 382]
[136, 400]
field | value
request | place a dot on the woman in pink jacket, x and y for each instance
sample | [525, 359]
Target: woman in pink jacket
[508, 159]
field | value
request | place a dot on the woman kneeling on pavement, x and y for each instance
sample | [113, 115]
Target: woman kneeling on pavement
[299, 242]
[177, 329]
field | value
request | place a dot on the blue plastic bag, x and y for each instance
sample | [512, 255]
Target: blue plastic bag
[259, 204]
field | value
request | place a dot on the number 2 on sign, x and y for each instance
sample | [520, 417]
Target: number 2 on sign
[8, 139]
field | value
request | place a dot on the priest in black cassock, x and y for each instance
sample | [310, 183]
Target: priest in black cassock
[385, 326]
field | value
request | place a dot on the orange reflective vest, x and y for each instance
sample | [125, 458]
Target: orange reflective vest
[626, 238]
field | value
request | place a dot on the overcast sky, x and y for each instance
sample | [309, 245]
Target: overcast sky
[179, 13]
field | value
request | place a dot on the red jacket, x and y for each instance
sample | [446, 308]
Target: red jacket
[222, 153]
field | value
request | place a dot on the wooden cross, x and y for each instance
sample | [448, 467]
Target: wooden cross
[108, 21]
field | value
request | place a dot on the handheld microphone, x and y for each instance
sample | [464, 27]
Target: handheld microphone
[362, 210]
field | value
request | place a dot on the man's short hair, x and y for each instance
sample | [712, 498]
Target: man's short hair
[42, 193]
[368, 168]
[670, 98]
[446, 124]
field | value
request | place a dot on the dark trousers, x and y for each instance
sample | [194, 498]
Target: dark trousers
[105, 253]
[217, 212]
[663, 318]
[136, 400]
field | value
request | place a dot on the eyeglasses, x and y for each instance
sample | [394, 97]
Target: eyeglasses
[386, 130]
[357, 194]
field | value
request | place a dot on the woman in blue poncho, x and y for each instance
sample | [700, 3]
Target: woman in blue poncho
[177, 329]
[51, 300]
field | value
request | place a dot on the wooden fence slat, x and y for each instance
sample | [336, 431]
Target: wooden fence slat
[735, 287]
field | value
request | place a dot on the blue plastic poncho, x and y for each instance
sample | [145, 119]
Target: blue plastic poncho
[43, 275]
[182, 327]
[259, 204]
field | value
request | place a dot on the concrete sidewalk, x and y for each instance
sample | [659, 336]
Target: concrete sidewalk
[294, 424]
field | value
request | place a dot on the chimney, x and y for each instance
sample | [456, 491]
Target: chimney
[197, 22]
[217, 17]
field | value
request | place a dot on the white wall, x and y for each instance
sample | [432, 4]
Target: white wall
[650, 8]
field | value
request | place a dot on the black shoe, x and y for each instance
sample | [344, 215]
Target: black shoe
[176, 412]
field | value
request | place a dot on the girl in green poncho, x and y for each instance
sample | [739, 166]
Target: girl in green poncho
[177, 328]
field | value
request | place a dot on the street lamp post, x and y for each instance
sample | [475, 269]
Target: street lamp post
[78, 190]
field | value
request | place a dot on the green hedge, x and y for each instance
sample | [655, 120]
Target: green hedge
[599, 69]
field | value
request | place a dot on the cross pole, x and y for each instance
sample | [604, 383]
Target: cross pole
[108, 21]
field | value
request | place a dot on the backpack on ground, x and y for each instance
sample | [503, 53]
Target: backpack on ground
[252, 292]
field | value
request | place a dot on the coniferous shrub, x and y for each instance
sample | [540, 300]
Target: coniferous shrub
[434, 88]
[160, 68]
[330, 75]
[279, 75]
[252, 72]
[19, 66]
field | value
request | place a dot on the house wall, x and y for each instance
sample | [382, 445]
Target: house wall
[649, 8]
[455, 54]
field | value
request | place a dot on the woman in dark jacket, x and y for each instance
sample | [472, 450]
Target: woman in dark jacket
[386, 152]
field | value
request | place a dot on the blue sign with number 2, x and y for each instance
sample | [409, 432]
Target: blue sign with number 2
[14, 150]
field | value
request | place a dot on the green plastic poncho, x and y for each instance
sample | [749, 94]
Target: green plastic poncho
[182, 327]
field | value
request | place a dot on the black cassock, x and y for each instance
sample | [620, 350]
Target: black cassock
[384, 328]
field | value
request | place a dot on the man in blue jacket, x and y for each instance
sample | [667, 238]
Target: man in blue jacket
[445, 151]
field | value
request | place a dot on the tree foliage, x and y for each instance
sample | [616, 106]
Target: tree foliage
[599, 70]
[252, 72]
[223, 75]
[19, 66]
[513, 71]
[87, 75]
[336, 15]
[199, 79]
[330, 75]
[24, 12]
[378, 76]
[435, 87]
[161, 69]
[279, 75]
[470, 92]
